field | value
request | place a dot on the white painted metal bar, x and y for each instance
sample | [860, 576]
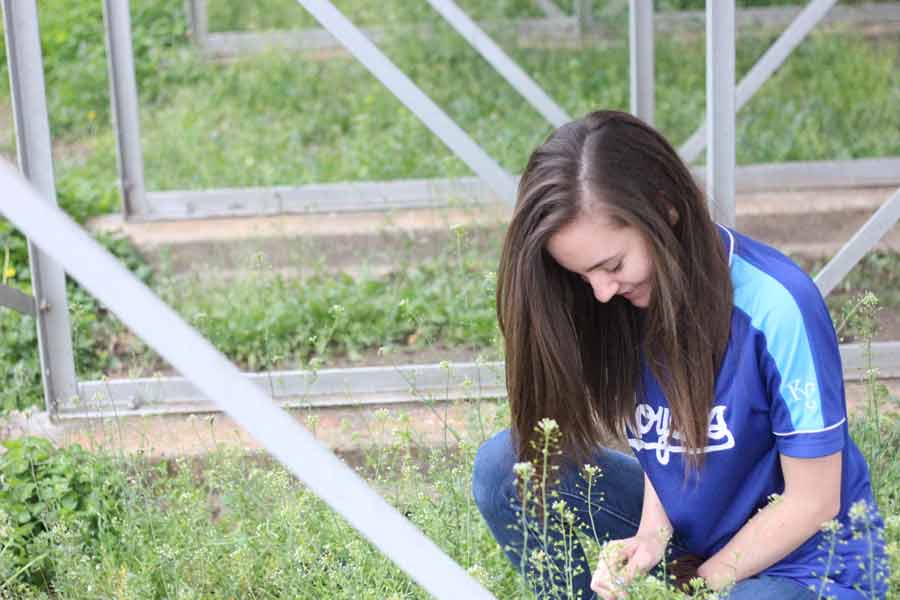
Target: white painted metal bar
[862, 241]
[16, 300]
[166, 332]
[641, 60]
[720, 58]
[504, 65]
[362, 386]
[29, 104]
[431, 115]
[125, 109]
[773, 58]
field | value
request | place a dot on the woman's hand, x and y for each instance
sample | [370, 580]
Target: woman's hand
[623, 560]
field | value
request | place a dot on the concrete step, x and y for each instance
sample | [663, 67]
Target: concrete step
[811, 224]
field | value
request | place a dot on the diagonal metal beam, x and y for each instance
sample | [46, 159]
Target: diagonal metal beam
[504, 65]
[16, 300]
[773, 58]
[186, 350]
[861, 242]
[431, 115]
[550, 8]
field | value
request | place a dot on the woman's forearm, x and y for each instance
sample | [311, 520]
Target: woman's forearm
[773, 533]
[653, 516]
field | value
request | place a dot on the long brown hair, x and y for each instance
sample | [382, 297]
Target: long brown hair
[579, 361]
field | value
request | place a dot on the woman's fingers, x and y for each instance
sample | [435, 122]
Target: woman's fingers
[609, 579]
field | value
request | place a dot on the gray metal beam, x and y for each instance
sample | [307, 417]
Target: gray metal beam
[297, 389]
[191, 354]
[125, 110]
[16, 300]
[361, 196]
[885, 357]
[773, 58]
[361, 386]
[861, 242]
[431, 115]
[640, 43]
[29, 104]
[720, 59]
[503, 64]
[544, 32]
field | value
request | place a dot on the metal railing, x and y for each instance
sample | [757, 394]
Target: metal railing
[29, 104]
[166, 332]
[65, 395]
[265, 201]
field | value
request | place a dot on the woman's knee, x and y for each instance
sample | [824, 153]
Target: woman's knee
[492, 473]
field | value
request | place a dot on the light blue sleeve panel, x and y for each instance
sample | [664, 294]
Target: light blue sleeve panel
[800, 359]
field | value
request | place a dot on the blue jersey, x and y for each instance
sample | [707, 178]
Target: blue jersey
[779, 390]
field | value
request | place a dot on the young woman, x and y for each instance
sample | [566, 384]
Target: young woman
[627, 312]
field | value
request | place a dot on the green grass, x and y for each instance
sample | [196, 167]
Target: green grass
[234, 525]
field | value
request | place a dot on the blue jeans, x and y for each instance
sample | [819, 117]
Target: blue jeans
[613, 512]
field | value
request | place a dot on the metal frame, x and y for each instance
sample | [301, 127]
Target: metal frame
[862, 241]
[360, 196]
[550, 8]
[261, 201]
[720, 119]
[17, 301]
[551, 30]
[186, 350]
[764, 68]
[494, 180]
[640, 44]
[431, 115]
[125, 111]
[29, 104]
[362, 386]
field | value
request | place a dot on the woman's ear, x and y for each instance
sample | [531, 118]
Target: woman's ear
[673, 216]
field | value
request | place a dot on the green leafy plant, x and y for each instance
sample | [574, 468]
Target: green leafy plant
[44, 487]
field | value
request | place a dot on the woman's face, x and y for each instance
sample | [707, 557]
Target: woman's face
[610, 258]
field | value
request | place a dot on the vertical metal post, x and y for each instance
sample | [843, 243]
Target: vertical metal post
[198, 17]
[720, 103]
[126, 116]
[774, 57]
[29, 103]
[640, 45]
